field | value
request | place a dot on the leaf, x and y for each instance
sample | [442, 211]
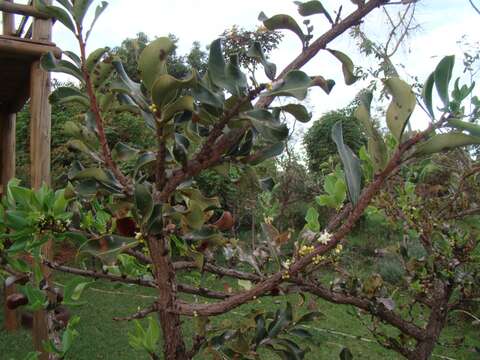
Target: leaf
[347, 66]
[153, 60]
[180, 149]
[311, 8]
[299, 111]
[80, 8]
[377, 148]
[152, 335]
[295, 83]
[473, 129]
[143, 202]
[49, 63]
[312, 220]
[63, 92]
[94, 57]
[98, 11]
[401, 107]
[442, 76]
[206, 96]
[280, 22]
[184, 103]
[351, 163]
[260, 330]
[427, 94]
[267, 153]
[165, 88]
[256, 52]
[73, 290]
[444, 142]
[263, 121]
[236, 80]
[123, 152]
[98, 174]
[56, 12]
[325, 85]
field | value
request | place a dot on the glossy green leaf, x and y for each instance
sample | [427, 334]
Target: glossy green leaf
[313, 7]
[351, 164]
[94, 57]
[442, 76]
[346, 354]
[347, 66]
[401, 107]
[442, 142]
[152, 62]
[235, 79]
[180, 149]
[282, 22]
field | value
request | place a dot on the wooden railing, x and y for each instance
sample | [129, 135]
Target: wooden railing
[28, 12]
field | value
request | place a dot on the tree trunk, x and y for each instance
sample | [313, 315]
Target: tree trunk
[436, 323]
[173, 344]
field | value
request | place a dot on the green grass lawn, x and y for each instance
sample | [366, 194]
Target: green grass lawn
[102, 338]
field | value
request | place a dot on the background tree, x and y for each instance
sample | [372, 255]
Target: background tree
[318, 143]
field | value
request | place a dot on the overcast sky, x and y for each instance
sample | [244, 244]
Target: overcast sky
[443, 23]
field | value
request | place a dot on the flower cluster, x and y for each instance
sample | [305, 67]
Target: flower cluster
[286, 264]
[305, 250]
[139, 237]
[153, 108]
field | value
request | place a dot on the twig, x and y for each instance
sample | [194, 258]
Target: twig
[139, 314]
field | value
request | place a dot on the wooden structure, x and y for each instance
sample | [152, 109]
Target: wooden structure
[21, 78]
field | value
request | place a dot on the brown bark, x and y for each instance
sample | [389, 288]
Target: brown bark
[174, 346]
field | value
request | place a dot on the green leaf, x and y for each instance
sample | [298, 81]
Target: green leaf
[207, 97]
[184, 103]
[123, 152]
[98, 174]
[351, 163]
[80, 8]
[401, 107]
[216, 64]
[245, 284]
[347, 66]
[473, 129]
[295, 83]
[377, 148]
[143, 202]
[94, 57]
[256, 51]
[153, 60]
[312, 220]
[63, 92]
[282, 22]
[152, 335]
[56, 12]
[427, 94]
[263, 121]
[444, 142]
[48, 62]
[311, 8]
[98, 11]
[260, 330]
[180, 149]
[299, 111]
[165, 88]
[73, 290]
[267, 153]
[236, 80]
[442, 76]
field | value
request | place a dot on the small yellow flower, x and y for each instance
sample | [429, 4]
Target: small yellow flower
[338, 249]
[305, 250]
[195, 314]
[269, 86]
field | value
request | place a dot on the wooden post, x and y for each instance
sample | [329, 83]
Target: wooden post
[40, 127]
[7, 162]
